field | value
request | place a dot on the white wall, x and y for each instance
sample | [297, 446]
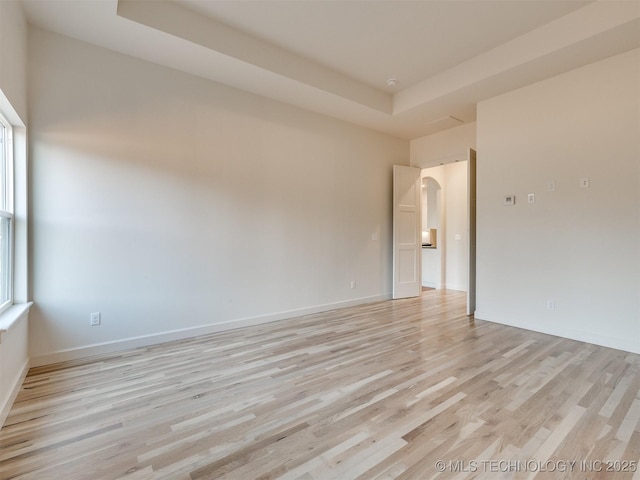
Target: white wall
[168, 203]
[432, 193]
[433, 259]
[443, 155]
[579, 247]
[14, 357]
[14, 363]
[451, 257]
[457, 234]
[443, 147]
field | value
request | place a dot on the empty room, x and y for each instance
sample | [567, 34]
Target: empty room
[320, 239]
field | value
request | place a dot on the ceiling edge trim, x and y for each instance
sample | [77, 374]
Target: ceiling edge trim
[178, 21]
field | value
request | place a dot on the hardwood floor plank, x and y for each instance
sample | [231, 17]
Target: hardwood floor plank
[379, 391]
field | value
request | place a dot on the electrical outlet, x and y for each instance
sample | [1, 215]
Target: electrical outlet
[551, 186]
[551, 305]
[585, 182]
[531, 198]
[94, 319]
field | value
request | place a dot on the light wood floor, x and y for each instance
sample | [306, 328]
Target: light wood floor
[381, 391]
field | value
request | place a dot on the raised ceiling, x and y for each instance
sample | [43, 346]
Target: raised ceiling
[334, 57]
[373, 41]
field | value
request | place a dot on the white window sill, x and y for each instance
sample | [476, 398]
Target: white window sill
[10, 317]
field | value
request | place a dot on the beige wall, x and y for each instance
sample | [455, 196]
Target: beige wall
[13, 59]
[443, 147]
[14, 356]
[177, 206]
[579, 247]
[457, 238]
[442, 156]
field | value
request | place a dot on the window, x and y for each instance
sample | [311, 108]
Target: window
[6, 215]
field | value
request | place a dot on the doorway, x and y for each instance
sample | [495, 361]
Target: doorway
[432, 229]
[449, 208]
[455, 237]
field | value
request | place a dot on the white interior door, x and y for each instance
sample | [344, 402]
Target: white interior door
[407, 237]
[471, 197]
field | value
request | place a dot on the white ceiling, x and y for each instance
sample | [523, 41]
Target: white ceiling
[334, 56]
[373, 41]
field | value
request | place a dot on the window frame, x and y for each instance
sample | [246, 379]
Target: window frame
[7, 208]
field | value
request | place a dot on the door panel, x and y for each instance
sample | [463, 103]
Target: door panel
[407, 240]
[406, 227]
[406, 271]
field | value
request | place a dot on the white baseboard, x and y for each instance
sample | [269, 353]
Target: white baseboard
[624, 344]
[456, 287]
[162, 337]
[435, 285]
[15, 389]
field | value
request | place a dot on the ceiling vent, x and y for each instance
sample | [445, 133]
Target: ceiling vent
[445, 122]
